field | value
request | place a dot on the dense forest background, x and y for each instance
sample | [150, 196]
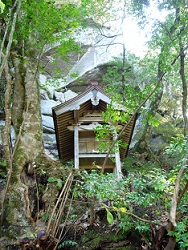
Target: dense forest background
[48, 205]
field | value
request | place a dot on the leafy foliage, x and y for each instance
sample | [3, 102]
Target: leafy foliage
[128, 83]
[181, 233]
[97, 185]
[3, 171]
[145, 193]
[47, 19]
[57, 180]
[178, 147]
[2, 6]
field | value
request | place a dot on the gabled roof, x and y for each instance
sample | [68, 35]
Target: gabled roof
[75, 102]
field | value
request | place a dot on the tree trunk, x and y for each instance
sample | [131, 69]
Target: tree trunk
[184, 88]
[142, 144]
[28, 144]
[19, 91]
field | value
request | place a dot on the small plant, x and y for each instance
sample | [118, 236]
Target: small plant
[3, 171]
[178, 147]
[181, 233]
[58, 181]
[67, 243]
[69, 164]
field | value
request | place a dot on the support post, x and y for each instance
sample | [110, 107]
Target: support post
[76, 147]
[118, 165]
[117, 169]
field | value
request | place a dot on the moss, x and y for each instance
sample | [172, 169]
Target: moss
[168, 130]
[123, 248]
[38, 136]
[94, 238]
[128, 163]
[13, 232]
[94, 242]
[132, 164]
[16, 205]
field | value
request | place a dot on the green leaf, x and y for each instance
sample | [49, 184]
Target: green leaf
[110, 217]
[123, 209]
[59, 183]
[2, 6]
[3, 163]
[58, 180]
[51, 179]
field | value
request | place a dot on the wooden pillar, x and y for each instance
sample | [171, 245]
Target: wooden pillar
[117, 169]
[118, 164]
[76, 147]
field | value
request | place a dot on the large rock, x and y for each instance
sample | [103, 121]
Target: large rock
[12, 133]
[48, 124]
[137, 131]
[157, 144]
[47, 105]
[49, 138]
[63, 97]
[97, 55]
[99, 49]
[44, 94]
[50, 146]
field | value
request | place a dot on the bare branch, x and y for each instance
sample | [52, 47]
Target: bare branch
[7, 27]
[5, 58]
[183, 192]
[175, 197]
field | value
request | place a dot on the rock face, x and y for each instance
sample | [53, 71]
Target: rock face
[49, 138]
[96, 49]
[74, 75]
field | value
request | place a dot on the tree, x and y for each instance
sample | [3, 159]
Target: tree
[164, 37]
[28, 26]
[167, 36]
[171, 36]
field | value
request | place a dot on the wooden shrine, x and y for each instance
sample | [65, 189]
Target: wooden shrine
[75, 121]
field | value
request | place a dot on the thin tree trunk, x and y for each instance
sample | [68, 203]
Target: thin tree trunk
[6, 137]
[184, 88]
[142, 144]
[10, 38]
[172, 240]
[123, 73]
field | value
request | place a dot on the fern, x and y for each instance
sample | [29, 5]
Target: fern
[67, 243]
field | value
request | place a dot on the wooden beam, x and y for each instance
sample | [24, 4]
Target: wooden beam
[94, 155]
[89, 127]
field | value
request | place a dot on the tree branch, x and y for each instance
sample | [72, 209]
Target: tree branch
[138, 108]
[175, 197]
[5, 58]
[182, 193]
